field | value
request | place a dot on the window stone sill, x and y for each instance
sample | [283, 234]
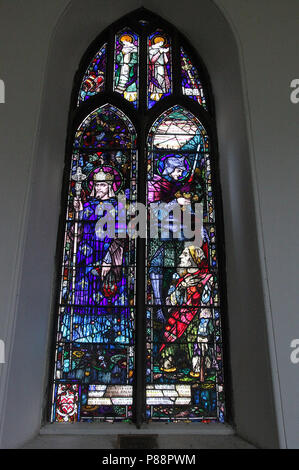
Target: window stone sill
[168, 436]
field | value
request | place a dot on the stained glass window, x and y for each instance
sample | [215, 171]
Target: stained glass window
[140, 283]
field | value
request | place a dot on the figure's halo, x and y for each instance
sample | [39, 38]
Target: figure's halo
[161, 165]
[157, 38]
[126, 37]
[117, 177]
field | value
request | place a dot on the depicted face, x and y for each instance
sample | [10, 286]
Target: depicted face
[101, 190]
[158, 42]
[126, 43]
[186, 259]
[176, 174]
[126, 40]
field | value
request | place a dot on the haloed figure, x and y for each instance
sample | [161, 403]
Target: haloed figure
[99, 259]
[158, 59]
[125, 75]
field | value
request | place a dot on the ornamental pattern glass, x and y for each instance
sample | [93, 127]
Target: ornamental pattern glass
[191, 84]
[94, 79]
[184, 347]
[94, 369]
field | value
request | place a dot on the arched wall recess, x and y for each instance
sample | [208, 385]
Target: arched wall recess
[238, 213]
[139, 334]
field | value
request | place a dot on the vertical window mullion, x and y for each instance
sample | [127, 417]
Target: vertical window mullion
[140, 258]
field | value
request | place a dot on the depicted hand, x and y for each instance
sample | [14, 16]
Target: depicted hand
[182, 201]
[105, 270]
[127, 59]
[190, 281]
[78, 204]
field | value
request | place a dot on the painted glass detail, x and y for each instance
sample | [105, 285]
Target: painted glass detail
[159, 67]
[94, 79]
[191, 84]
[94, 368]
[94, 373]
[126, 65]
[184, 347]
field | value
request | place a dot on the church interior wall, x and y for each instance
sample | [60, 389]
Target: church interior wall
[250, 69]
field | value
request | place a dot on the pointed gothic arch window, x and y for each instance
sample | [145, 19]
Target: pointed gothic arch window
[138, 334]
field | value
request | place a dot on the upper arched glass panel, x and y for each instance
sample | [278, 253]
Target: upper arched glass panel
[178, 128]
[120, 67]
[106, 127]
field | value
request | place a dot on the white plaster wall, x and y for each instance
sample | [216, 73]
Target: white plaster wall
[268, 32]
[40, 48]
[25, 35]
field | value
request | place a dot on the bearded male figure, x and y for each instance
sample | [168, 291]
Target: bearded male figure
[187, 298]
[99, 259]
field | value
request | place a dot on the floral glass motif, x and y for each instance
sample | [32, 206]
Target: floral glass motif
[94, 78]
[159, 67]
[191, 84]
[94, 369]
[126, 65]
[184, 349]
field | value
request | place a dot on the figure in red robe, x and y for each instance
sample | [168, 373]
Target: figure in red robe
[169, 188]
[187, 298]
